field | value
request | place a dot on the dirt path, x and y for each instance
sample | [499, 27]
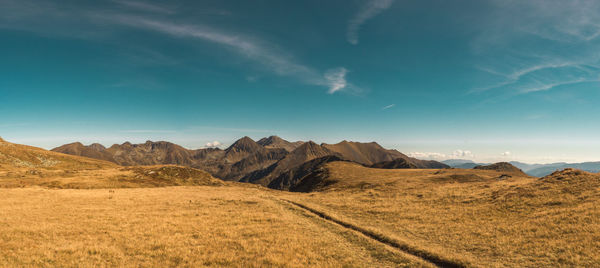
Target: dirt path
[404, 248]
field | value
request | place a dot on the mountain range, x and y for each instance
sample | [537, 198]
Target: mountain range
[272, 161]
[536, 170]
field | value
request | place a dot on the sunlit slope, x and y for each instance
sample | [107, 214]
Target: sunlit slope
[22, 166]
[480, 218]
[18, 157]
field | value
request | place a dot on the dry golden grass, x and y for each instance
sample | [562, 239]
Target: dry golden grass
[471, 217]
[112, 177]
[66, 211]
[234, 226]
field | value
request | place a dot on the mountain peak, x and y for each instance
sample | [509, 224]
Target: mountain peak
[277, 142]
[311, 148]
[1, 140]
[97, 147]
[270, 140]
[245, 144]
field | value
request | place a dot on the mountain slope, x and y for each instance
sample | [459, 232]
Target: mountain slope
[17, 157]
[96, 151]
[277, 142]
[305, 152]
[364, 153]
[246, 160]
[372, 153]
[394, 164]
[299, 179]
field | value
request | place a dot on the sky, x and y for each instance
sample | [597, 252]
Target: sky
[487, 80]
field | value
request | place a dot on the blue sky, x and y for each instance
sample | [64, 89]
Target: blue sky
[487, 80]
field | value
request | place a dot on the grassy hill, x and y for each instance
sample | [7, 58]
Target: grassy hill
[22, 166]
[474, 217]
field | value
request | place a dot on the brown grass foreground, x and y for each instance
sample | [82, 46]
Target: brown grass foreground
[235, 226]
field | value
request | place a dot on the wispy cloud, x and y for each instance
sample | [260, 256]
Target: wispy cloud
[336, 78]
[144, 6]
[240, 130]
[147, 131]
[369, 10]
[102, 24]
[545, 45]
[267, 55]
[388, 106]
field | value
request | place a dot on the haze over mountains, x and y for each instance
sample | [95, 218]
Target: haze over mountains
[271, 161]
[536, 170]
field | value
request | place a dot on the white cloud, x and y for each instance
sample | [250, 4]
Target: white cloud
[213, 144]
[462, 154]
[428, 156]
[371, 9]
[336, 78]
[388, 106]
[506, 154]
[147, 131]
[457, 154]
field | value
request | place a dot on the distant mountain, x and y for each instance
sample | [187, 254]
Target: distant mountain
[457, 162]
[364, 153]
[277, 142]
[536, 170]
[547, 169]
[242, 157]
[271, 161]
[16, 157]
[462, 163]
[372, 153]
[502, 167]
[96, 151]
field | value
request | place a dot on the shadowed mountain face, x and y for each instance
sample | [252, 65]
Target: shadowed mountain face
[394, 164]
[271, 161]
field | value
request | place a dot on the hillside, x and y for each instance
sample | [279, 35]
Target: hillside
[475, 218]
[503, 167]
[16, 157]
[22, 165]
[394, 164]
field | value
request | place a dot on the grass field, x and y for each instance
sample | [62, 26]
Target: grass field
[360, 217]
[176, 226]
[474, 219]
